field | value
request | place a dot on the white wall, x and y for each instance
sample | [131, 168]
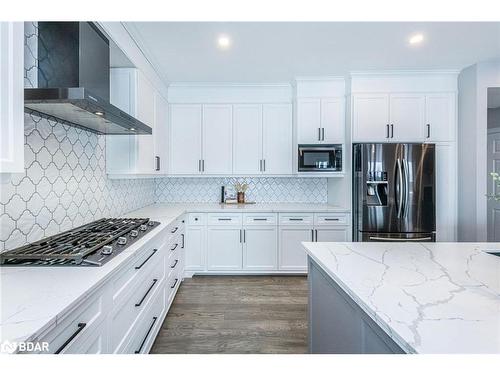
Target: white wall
[473, 83]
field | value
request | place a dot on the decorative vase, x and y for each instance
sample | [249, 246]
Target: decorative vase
[241, 197]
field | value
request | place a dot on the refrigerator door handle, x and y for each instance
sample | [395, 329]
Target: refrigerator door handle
[399, 196]
[406, 187]
[373, 238]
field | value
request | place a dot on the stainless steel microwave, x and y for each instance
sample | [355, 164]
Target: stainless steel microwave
[320, 158]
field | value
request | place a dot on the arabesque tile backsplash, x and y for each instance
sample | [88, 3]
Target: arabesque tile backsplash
[65, 185]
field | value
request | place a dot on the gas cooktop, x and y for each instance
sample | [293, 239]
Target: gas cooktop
[91, 244]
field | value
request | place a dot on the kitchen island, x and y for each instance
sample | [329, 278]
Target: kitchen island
[403, 297]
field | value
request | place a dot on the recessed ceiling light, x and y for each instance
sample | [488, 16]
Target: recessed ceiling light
[223, 42]
[416, 39]
[99, 113]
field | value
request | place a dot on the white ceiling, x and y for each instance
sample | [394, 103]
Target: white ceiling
[277, 52]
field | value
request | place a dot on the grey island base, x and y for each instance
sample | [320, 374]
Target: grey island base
[337, 325]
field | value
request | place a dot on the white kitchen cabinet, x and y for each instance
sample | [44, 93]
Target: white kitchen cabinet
[247, 139]
[185, 139]
[161, 144]
[333, 234]
[195, 248]
[308, 121]
[370, 118]
[260, 248]
[217, 155]
[333, 120]
[292, 256]
[440, 117]
[277, 139]
[224, 248]
[406, 117]
[136, 154]
[446, 191]
[320, 120]
[11, 97]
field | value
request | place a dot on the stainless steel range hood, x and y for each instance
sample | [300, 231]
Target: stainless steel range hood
[73, 80]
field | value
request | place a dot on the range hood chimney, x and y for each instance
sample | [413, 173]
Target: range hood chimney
[73, 80]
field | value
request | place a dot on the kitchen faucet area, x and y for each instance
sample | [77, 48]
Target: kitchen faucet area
[249, 185]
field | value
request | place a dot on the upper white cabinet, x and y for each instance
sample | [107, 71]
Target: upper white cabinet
[277, 139]
[417, 107]
[370, 121]
[320, 120]
[440, 117]
[11, 97]
[217, 139]
[406, 117]
[239, 139]
[137, 154]
[185, 139]
[247, 138]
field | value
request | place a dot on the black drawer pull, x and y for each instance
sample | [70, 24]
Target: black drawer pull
[176, 261]
[147, 335]
[295, 219]
[175, 283]
[147, 292]
[174, 230]
[175, 247]
[224, 219]
[80, 328]
[260, 219]
[182, 236]
[331, 219]
[145, 260]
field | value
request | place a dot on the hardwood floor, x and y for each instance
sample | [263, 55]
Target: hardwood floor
[236, 314]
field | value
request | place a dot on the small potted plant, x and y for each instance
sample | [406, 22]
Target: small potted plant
[240, 191]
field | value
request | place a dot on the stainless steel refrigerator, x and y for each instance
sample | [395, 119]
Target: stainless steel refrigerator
[394, 192]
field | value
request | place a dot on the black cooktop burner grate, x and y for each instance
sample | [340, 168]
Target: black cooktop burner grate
[72, 246]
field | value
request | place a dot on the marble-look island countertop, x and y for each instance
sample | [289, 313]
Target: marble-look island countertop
[428, 297]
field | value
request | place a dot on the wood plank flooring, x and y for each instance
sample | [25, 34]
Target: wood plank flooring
[236, 314]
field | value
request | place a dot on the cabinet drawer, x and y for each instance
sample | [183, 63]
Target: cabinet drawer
[77, 327]
[224, 219]
[260, 219]
[136, 270]
[196, 219]
[144, 334]
[296, 219]
[124, 316]
[331, 219]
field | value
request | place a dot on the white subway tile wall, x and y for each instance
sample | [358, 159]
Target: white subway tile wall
[260, 189]
[65, 185]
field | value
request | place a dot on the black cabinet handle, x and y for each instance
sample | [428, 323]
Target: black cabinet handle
[147, 292]
[315, 235]
[147, 335]
[428, 130]
[244, 235]
[319, 134]
[392, 130]
[80, 328]
[175, 247]
[322, 134]
[387, 136]
[260, 219]
[175, 283]
[182, 237]
[312, 235]
[331, 219]
[145, 260]
[295, 219]
[224, 219]
[174, 230]
[157, 159]
[176, 261]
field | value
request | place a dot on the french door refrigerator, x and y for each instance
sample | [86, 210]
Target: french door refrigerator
[394, 192]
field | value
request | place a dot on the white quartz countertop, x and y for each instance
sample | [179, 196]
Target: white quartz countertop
[429, 297]
[35, 299]
[162, 210]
